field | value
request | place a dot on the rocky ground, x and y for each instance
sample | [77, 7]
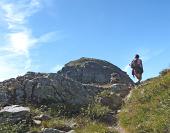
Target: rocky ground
[83, 88]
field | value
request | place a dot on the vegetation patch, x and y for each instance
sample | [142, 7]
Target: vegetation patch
[148, 108]
[13, 128]
[95, 128]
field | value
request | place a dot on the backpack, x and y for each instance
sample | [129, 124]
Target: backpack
[136, 66]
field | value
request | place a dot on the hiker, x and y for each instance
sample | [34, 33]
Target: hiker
[137, 68]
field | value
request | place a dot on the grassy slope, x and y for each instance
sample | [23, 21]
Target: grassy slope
[148, 108]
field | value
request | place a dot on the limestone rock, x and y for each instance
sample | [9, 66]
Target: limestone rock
[45, 89]
[52, 130]
[72, 131]
[14, 114]
[75, 85]
[89, 70]
[43, 117]
[37, 122]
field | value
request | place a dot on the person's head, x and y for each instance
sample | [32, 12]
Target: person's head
[136, 56]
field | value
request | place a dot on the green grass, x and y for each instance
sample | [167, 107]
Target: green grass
[95, 127]
[97, 111]
[148, 109]
[86, 122]
[13, 128]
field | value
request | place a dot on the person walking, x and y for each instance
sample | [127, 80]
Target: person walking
[137, 68]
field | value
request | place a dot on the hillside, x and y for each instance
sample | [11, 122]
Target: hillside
[86, 96]
[83, 97]
[147, 110]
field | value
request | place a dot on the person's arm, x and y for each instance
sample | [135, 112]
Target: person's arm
[131, 64]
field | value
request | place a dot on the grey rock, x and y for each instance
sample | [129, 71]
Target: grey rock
[52, 130]
[45, 89]
[4, 97]
[75, 85]
[113, 101]
[72, 131]
[37, 122]
[14, 114]
[109, 119]
[89, 70]
[43, 117]
[121, 89]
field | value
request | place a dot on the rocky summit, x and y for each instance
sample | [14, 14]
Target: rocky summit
[75, 84]
[94, 71]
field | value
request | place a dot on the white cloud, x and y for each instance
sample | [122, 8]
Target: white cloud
[49, 37]
[16, 13]
[18, 40]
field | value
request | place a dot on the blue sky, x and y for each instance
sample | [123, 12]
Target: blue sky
[43, 35]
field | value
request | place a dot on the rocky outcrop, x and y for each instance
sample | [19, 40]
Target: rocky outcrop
[76, 84]
[42, 88]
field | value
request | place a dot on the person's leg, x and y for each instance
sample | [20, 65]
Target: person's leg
[136, 74]
[139, 77]
[133, 72]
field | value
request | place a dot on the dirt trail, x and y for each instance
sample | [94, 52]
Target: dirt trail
[118, 127]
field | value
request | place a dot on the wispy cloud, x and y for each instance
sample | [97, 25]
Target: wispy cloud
[18, 38]
[126, 68]
[57, 68]
[146, 55]
[49, 37]
[17, 12]
[151, 54]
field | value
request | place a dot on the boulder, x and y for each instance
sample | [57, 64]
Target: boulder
[14, 114]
